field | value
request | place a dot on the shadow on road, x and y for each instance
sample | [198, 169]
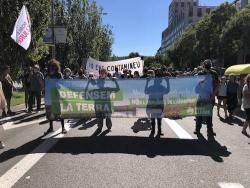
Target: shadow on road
[238, 112]
[22, 150]
[23, 118]
[30, 118]
[128, 145]
[88, 124]
[232, 121]
[141, 125]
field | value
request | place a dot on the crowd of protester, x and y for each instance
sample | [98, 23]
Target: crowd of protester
[228, 91]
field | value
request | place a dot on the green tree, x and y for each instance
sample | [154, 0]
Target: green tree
[133, 54]
[209, 29]
[182, 52]
[12, 54]
[201, 41]
[148, 61]
[87, 36]
[235, 37]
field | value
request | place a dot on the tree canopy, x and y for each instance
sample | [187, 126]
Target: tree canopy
[235, 38]
[87, 36]
[202, 40]
[86, 33]
[12, 54]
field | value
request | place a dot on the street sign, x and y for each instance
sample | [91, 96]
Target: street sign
[60, 35]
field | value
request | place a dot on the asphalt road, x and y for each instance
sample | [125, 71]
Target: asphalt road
[125, 157]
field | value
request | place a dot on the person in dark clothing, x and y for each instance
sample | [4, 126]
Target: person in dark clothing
[36, 88]
[125, 74]
[155, 106]
[103, 107]
[208, 119]
[54, 72]
[145, 73]
[26, 84]
[81, 75]
[7, 86]
[130, 75]
[136, 74]
[117, 74]
[232, 95]
[67, 74]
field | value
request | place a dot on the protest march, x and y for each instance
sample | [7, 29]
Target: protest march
[102, 93]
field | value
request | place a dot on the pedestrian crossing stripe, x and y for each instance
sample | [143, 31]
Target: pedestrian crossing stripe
[230, 185]
[11, 177]
[13, 125]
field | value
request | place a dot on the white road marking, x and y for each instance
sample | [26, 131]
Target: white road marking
[179, 131]
[17, 115]
[12, 117]
[23, 166]
[13, 125]
[230, 185]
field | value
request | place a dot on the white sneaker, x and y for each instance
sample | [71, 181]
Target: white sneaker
[1, 145]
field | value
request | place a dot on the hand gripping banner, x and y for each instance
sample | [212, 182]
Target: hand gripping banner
[135, 98]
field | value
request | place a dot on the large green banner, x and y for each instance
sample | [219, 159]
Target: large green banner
[141, 98]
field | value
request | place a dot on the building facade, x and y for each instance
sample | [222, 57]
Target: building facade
[182, 13]
[244, 3]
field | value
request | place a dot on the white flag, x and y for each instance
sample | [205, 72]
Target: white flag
[22, 29]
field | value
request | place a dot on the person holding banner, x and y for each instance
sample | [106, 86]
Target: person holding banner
[130, 75]
[117, 74]
[155, 106]
[103, 106]
[145, 73]
[125, 74]
[209, 104]
[136, 74]
[54, 72]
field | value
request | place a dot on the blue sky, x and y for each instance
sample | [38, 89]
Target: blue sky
[137, 24]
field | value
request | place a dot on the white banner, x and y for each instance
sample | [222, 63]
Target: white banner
[22, 30]
[134, 64]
